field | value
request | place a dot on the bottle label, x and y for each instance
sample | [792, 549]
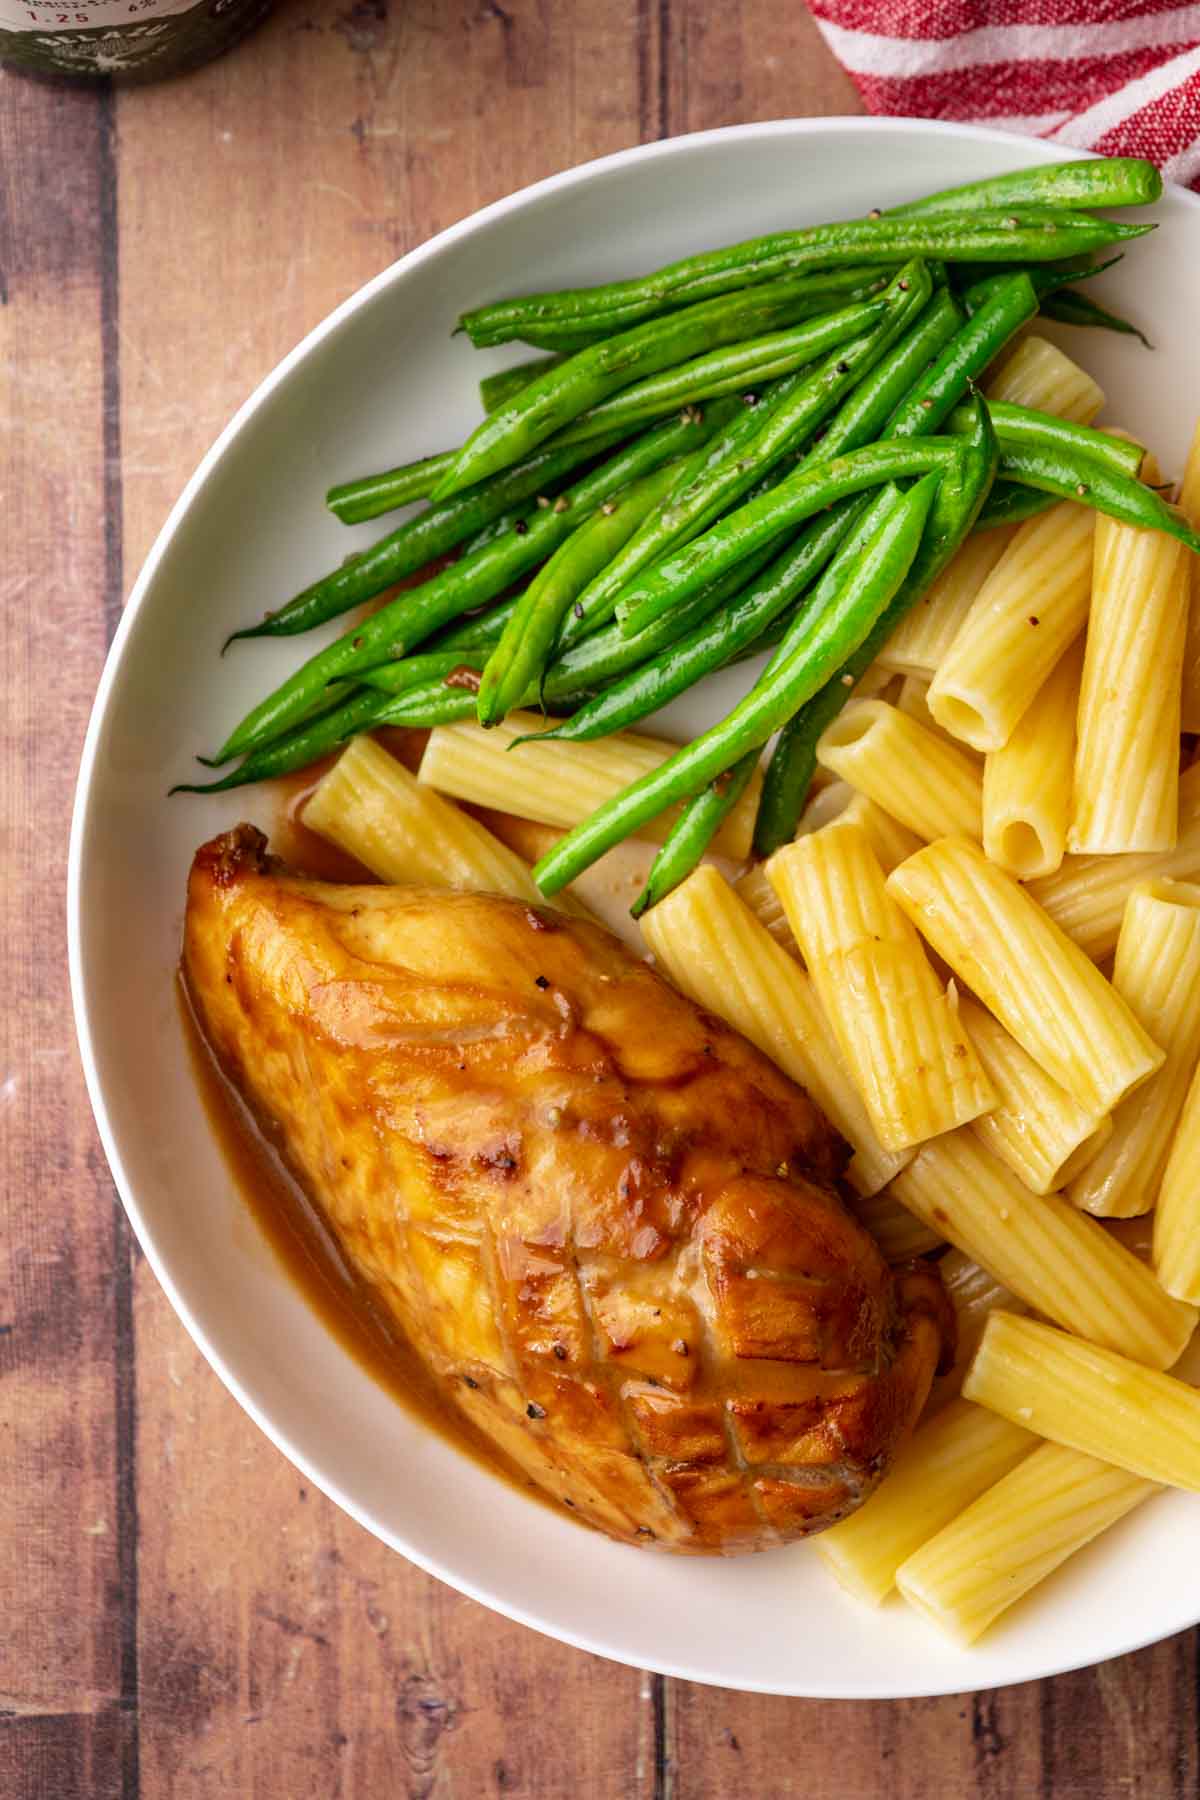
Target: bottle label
[82, 15]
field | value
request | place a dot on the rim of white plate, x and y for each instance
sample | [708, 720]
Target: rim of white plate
[312, 1470]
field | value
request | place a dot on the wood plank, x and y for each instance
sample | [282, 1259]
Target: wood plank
[299, 1655]
[66, 1543]
[1123, 1729]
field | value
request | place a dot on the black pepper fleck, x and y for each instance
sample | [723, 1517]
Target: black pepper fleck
[534, 1411]
[541, 982]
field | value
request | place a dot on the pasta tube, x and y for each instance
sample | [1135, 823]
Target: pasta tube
[898, 1031]
[713, 947]
[1056, 1261]
[1040, 375]
[1086, 897]
[1030, 609]
[561, 783]
[948, 1462]
[890, 840]
[402, 831]
[912, 698]
[916, 776]
[1189, 504]
[1027, 784]
[1176, 1247]
[1038, 1514]
[1026, 971]
[1157, 970]
[755, 891]
[899, 1233]
[1039, 1130]
[1126, 794]
[924, 635]
[1090, 1399]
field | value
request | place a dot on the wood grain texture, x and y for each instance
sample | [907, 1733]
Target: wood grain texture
[183, 1617]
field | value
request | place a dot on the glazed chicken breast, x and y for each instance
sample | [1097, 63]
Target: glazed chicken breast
[608, 1224]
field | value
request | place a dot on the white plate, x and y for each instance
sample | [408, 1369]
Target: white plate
[380, 381]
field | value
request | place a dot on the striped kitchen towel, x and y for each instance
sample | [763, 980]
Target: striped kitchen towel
[1119, 76]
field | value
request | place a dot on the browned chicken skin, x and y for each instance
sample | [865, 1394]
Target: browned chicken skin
[605, 1221]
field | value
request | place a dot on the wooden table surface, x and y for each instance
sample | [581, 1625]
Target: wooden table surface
[181, 1616]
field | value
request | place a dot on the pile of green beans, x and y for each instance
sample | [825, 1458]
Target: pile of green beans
[771, 447]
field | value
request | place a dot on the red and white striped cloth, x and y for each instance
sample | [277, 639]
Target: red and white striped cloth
[1118, 76]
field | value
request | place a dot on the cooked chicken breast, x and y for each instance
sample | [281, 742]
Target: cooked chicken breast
[605, 1221]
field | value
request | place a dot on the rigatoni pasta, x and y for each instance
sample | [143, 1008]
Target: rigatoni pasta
[1126, 787]
[714, 949]
[1027, 785]
[1058, 1262]
[913, 774]
[1157, 971]
[1189, 505]
[924, 635]
[1026, 971]
[1040, 375]
[949, 1462]
[1086, 897]
[1043, 1133]
[1091, 1399]
[1176, 1245]
[898, 1031]
[1028, 612]
[561, 783]
[1047, 1507]
[371, 806]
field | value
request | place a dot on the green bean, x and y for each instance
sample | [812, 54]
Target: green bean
[789, 771]
[714, 642]
[927, 402]
[690, 652]
[1100, 181]
[822, 291]
[554, 399]
[1070, 475]
[370, 495]
[1069, 308]
[584, 668]
[831, 637]
[478, 631]
[963, 490]
[1046, 279]
[518, 660]
[1017, 425]
[609, 652]
[728, 370]
[413, 616]
[967, 355]
[1032, 235]
[694, 831]
[295, 750]
[418, 542]
[497, 528]
[797, 498]
[497, 390]
[1011, 504]
[421, 708]
[863, 414]
[795, 409]
[425, 668]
